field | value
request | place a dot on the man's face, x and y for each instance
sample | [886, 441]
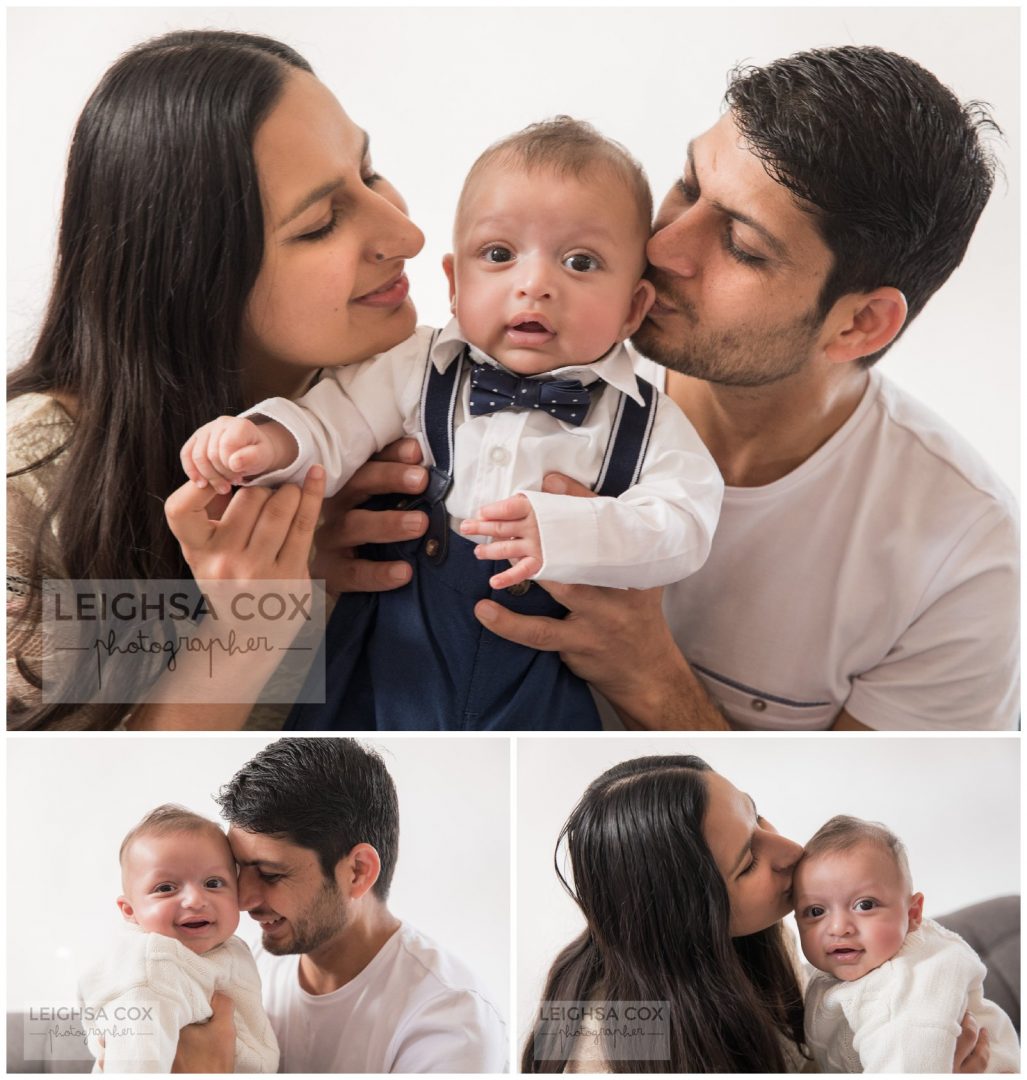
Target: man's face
[281, 885]
[737, 267]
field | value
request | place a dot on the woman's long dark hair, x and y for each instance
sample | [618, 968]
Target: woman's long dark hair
[657, 915]
[161, 240]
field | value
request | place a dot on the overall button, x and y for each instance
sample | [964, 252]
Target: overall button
[499, 455]
[519, 589]
[431, 548]
[758, 704]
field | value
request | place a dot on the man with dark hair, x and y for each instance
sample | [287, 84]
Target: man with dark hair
[314, 827]
[864, 573]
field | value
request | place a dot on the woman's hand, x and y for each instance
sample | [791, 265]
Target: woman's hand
[209, 1047]
[396, 469]
[973, 1049]
[262, 534]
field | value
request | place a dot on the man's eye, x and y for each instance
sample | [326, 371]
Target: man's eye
[270, 878]
[497, 253]
[582, 263]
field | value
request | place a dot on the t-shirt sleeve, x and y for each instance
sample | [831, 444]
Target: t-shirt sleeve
[957, 665]
[457, 1031]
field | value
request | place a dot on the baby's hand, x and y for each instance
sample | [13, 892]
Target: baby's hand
[228, 449]
[515, 519]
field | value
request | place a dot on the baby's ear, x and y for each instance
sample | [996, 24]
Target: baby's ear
[448, 268]
[916, 911]
[641, 301]
[125, 907]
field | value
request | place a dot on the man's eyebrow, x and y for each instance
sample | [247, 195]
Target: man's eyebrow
[775, 245]
[748, 843]
[323, 190]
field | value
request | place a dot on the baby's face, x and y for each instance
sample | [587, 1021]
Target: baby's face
[546, 268]
[854, 910]
[182, 885]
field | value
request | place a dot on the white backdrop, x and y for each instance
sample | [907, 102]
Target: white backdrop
[953, 801]
[70, 802]
[434, 86]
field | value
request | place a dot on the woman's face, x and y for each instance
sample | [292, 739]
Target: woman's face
[331, 289]
[754, 859]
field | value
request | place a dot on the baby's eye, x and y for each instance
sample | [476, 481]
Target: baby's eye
[581, 262]
[866, 905]
[164, 887]
[497, 253]
[214, 883]
[814, 911]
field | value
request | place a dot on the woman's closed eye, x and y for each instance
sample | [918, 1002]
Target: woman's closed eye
[750, 866]
[324, 230]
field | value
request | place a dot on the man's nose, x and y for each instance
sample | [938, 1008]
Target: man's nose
[249, 889]
[676, 245]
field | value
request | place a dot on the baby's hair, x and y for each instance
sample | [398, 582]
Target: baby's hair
[568, 147]
[167, 819]
[842, 833]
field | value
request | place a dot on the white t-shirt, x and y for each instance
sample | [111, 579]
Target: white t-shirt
[413, 1009]
[659, 530]
[881, 576]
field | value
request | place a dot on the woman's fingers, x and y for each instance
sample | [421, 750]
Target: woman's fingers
[295, 551]
[186, 513]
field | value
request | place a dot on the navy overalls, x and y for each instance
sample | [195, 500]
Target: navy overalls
[416, 658]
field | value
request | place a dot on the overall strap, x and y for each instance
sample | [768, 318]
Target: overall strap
[438, 406]
[629, 441]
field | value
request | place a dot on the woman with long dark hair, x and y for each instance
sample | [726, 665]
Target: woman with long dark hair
[683, 886]
[222, 231]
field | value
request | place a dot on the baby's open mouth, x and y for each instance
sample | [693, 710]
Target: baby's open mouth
[844, 951]
[531, 328]
[195, 924]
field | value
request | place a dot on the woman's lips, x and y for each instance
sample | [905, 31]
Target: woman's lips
[391, 294]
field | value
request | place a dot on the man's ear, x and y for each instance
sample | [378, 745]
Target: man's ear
[125, 907]
[861, 324]
[358, 871]
[641, 301]
[448, 268]
[916, 911]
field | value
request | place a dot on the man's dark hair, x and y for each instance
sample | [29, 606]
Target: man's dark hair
[327, 795]
[894, 169]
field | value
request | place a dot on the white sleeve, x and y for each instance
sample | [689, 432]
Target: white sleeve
[957, 665]
[1002, 1038]
[141, 1030]
[455, 1032]
[352, 413]
[657, 532]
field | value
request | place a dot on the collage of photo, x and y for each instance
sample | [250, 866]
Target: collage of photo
[606, 665]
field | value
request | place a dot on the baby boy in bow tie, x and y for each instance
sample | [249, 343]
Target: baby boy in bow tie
[546, 285]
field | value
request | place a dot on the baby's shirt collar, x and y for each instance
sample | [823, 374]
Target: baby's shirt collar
[614, 368]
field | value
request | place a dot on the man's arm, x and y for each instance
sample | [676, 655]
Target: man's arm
[209, 1047]
[844, 722]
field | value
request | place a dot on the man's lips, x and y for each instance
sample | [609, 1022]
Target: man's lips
[391, 294]
[268, 922]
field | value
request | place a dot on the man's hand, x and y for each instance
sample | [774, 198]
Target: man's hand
[396, 469]
[209, 1047]
[617, 640]
[973, 1049]
[513, 527]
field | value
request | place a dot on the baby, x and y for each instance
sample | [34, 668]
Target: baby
[530, 377]
[180, 892]
[890, 988]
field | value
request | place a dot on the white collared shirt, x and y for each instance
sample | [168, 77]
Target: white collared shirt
[657, 532]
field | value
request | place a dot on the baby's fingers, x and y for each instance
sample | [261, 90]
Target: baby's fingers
[498, 529]
[523, 570]
[516, 507]
[506, 549]
[205, 471]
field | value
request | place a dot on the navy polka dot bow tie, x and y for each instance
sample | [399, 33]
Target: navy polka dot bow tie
[493, 390]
